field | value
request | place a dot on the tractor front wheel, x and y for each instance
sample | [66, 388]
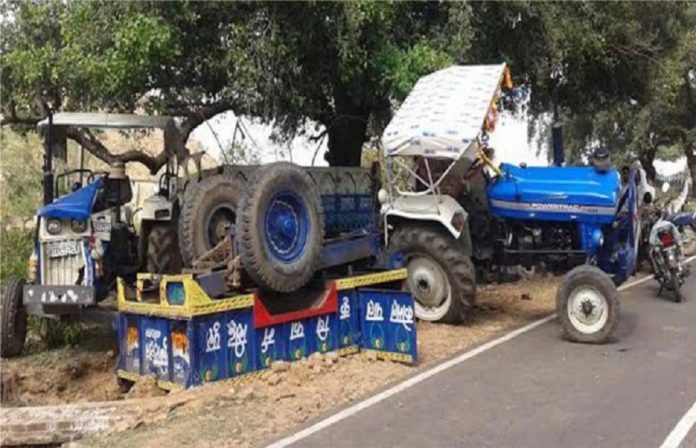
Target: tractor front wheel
[13, 326]
[441, 278]
[587, 304]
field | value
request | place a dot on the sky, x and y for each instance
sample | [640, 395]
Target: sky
[509, 140]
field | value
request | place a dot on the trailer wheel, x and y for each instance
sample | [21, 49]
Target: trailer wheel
[587, 304]
[14, 319]
[441, 278]
[163, 255]
[280, 227]
[208, 211]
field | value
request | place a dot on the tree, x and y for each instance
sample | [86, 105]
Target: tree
[591, 62]
[674, 95]
[343, 65]
[338, 64]
[116, 56]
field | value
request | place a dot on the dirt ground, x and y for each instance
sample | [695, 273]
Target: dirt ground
[79, 373]
[245, 414]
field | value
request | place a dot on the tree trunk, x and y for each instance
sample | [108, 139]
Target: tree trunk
[347, 130]
[648, 162]
[691, 163]
[346, 138]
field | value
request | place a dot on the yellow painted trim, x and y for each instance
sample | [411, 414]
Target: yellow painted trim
[371, 279]
[391, 356]
[350, 350]
[162, 384]
[197, 302]
[126, 375]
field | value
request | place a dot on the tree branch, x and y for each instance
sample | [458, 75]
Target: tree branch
[11, 117]
[5, 120]
[97, 149]
[196, 117]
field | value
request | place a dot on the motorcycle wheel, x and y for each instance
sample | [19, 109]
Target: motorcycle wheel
[676, 287]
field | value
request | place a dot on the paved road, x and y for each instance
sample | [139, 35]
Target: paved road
[539, 391]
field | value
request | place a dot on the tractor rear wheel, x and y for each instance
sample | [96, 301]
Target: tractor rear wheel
[208, 212]
[280, 227]
[14, 319]
[587, 304]
[162, 250]
[441, 278]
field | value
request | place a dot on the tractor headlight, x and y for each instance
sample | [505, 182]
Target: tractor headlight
[53, 226]
[597, 238]
[382, 196]
[78, 225]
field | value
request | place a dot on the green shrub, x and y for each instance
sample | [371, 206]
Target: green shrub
[15, 249]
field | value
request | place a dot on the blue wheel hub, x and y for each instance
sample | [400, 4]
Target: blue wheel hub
[286, 226]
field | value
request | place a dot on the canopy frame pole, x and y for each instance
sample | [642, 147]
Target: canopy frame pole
[431, 186]
[436, 190]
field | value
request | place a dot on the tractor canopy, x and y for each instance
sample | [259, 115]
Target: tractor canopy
[101, 120]
[555, 192]
[76, 205]
[445, 112]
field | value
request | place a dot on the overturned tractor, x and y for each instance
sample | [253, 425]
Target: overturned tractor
[278, 224]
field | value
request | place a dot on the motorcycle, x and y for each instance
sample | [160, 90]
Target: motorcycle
[667, 257]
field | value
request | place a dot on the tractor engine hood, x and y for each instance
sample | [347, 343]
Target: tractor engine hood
[76, 205]
[541, 191]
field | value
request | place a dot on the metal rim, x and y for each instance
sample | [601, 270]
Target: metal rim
[588, 309]
[218, 223]
[286, 226]
[430, 287]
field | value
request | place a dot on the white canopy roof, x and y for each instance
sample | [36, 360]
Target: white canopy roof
[106, 120]
[444, 113]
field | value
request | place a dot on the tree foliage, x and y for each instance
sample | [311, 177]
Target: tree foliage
[338, 64]
[613, 71]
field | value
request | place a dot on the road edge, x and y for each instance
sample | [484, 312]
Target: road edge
[424, 375]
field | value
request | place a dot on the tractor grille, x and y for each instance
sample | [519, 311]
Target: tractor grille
[64, 270]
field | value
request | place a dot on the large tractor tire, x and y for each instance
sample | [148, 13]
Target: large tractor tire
[441, 277]
[208, 211]
[587, 304]
[163, 255]
[13, 327]
[280, 227]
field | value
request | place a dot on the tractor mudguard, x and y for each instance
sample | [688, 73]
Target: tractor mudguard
[446, 212]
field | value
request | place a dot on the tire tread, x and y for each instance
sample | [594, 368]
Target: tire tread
[587, 274]
[253, 258]
[14, 319]
[450, 255]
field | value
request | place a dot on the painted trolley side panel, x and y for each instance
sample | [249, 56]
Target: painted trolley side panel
[348, 319]
[189, 339]
[387, 322]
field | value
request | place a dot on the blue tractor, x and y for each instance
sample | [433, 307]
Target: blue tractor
[449, 211]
